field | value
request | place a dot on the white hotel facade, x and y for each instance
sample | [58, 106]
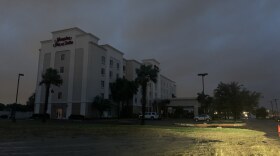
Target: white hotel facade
[87, 69]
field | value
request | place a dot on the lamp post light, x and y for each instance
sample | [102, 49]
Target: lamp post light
[276, 107]
[202, 76]
[271, 102]
[13, 115]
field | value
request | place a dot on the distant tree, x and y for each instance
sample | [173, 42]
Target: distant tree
[145, 74]
[101, 105]
[2, 107]
[122, 91]
[50, 77]
[17, 107]
[206, 102]
[161, 106]
[261, 112]
[31, 102]
[232, 99]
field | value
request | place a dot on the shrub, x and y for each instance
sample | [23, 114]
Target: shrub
[39, 116]
[76, 117]
[4, 116]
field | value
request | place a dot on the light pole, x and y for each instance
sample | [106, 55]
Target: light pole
[271, 102]
[13, 109]
[276, 107]
[203, 95]
[202, 76]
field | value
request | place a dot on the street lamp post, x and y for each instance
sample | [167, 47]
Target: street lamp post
[13, 109]
[203, 95]
[202, 76]
[271, 102]
[276, 107]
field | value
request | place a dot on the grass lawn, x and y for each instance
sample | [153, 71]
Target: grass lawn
[147, 140]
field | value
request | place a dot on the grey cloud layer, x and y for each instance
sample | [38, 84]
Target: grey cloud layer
[231, 40]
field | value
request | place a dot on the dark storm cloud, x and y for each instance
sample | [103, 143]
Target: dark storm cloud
[231, 40]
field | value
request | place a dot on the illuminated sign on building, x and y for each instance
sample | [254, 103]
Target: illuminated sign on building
[62, 41]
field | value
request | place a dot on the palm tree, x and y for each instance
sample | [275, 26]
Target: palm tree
[50, 77]
[145, 74]
[122, 91]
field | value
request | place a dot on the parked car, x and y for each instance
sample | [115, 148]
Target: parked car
[150, 115]
[202, 117]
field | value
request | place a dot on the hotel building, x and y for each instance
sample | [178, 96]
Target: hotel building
[87, 69]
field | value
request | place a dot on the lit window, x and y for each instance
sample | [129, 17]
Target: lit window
[61, 69]
[102, 84]
[103, 60]
[59, 95]
[62, 56]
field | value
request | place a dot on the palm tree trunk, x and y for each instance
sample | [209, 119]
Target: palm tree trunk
[144, 87]
[46, 103]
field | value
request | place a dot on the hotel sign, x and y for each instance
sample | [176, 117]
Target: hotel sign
[62, 41]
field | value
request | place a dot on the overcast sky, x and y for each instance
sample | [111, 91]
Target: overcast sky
[232, 40]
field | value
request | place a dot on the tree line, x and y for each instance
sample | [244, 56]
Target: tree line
[229, 100]
[122, 90]
[28, 107]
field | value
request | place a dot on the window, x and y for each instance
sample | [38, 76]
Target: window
[111, 74]
[135, 100]
[102, 71]
[102, 84]
[123, 68]
[103, 60]
[111, 63]
[118, 66]
[102, 95]
[117, 75]
[59, 95]
[61, 69]
[62, 57]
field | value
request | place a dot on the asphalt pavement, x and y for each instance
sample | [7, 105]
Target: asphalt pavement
[265, 125]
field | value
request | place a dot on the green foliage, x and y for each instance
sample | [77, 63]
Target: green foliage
[261, 113]
[17, 107]
[101, 105]
[161, 105]
[145, 74]
[122, 91]
[206, 102]
[50, 77]
[232, 98]
[2, 106]
[31, 102]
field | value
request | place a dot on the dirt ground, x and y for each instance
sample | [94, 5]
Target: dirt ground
[138, 141]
